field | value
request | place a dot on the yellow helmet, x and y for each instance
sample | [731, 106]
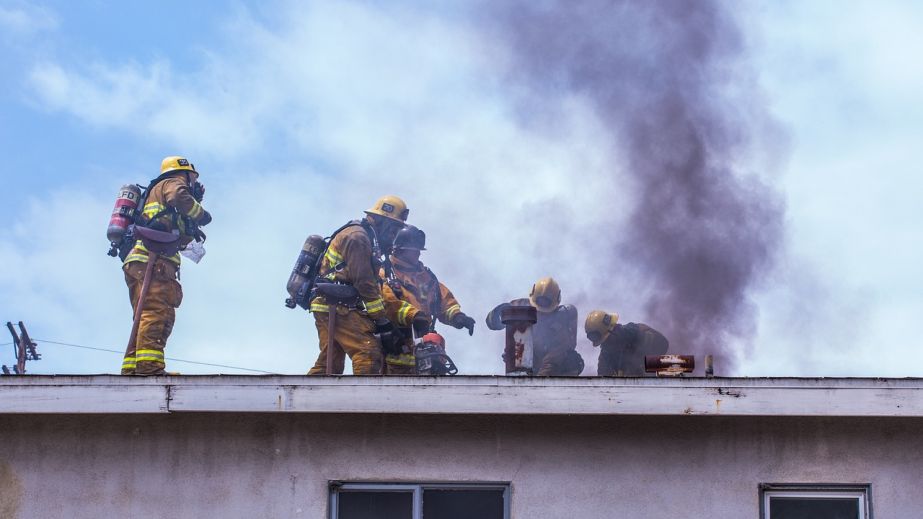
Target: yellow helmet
[391, 207]
[545, 295]
[598, 325]
[174, 163]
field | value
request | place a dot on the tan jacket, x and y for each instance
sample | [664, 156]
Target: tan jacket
[349, 260]
[172, 192]
[419, 290]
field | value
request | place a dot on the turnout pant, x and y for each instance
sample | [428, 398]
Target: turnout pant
[560, 362]
[163, 297]
[355, 336]
[403, 363]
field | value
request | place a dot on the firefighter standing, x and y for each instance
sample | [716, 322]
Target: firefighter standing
[622, 347]
[170, 207]
[353, 258]
[415, 298]
[554, 335]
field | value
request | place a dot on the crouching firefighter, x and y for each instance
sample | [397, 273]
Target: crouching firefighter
[415, 299]
[169, 220]
[347, 303]
[622, 347]
[554, 335]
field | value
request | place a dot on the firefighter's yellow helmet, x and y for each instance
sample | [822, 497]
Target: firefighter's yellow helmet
[175, 163]
[391, 207]
[545, 295]
[599, 324]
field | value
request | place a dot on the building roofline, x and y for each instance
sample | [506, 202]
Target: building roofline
[494, 395]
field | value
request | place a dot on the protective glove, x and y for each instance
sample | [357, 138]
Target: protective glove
[493, 318]
[421, 324]
[463, 321]
[198, 191]
[388, 336]
[206, 218]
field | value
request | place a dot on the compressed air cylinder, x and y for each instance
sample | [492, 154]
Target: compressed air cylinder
[299, 283]
[519, 351]
[123, 213]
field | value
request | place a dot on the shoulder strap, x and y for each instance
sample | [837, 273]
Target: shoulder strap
[352, 223]
[139, 220]
[436, 306]
[330, 238]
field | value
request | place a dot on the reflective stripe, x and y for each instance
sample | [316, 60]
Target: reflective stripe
[149, 355]
[129, 363]
[451, 311]
[404, 359]
[195, 211]
[374, 306]
[152, 208]
[140, 253]
[333, 258]
[136, 256]
[403, 313]
[319, 307]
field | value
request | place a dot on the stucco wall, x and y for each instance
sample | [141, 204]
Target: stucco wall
[260, 465]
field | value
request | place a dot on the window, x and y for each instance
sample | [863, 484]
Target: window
[419, 501]
[803, 501]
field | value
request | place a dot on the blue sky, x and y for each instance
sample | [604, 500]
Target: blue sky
[281, 104]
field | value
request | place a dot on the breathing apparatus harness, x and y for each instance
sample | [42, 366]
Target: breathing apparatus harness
[397, 286]
[429, 353]
[325, 284]
[189, 227]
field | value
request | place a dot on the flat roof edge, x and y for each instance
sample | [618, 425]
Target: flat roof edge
[481, 395]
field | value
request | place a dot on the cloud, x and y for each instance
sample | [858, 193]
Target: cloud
[346, 102]
[299, 118]
[21, 18]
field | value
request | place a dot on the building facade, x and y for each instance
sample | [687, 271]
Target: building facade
[459, 447]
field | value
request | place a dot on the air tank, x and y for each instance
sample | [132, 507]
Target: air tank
[302, 279]
[123, 214]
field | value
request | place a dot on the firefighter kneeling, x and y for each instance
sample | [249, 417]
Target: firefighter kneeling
[415, 299]
[622, 347]
[348, 286]
[554, 335]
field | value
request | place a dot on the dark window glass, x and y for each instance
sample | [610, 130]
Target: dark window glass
[813, 508]
[462, 504]
[375, 505]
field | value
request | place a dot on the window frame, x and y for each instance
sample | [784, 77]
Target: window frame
[334, 488]
[863, 492]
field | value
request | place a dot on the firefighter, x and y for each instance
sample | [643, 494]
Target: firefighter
[415, 298]
[554, 335]
[622, 347]
[172, 205]
[353, 258]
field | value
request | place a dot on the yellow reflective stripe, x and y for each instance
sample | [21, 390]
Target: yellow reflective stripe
[319, 307]
[404, 359]
[152, 208]
[195, 211]
[140, 253]
[402, 314]
[149, 355]
[129, 363]
[374, 306]
[451, 311]
[135, 256]
[333, 257]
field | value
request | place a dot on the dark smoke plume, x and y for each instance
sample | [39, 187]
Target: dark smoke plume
[669, 80]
